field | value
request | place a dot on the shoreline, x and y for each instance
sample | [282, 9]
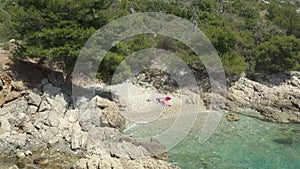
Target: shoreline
[44, 116]
[51, 123]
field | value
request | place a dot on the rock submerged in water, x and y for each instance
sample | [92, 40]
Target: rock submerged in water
[283, 141]
[232, 117]
[296, 131]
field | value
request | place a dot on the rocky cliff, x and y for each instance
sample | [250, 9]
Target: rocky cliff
[277, 99]
[40, 127]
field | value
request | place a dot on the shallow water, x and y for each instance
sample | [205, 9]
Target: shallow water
[46, 159]
[248, 143]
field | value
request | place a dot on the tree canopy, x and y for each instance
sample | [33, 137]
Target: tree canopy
[248, 35]
[278, 54]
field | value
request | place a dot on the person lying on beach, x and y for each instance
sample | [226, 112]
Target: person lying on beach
[163, 101]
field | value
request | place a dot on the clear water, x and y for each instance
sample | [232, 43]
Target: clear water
[246, 144]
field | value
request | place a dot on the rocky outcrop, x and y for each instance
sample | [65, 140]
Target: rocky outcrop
[156, 79]
[232, 117]
[280, 103]
[9, 89]
[43, 118]
[102, 159]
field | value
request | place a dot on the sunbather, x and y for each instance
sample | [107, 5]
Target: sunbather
[164, 101]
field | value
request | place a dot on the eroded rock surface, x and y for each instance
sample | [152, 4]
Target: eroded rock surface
[280, 103]
[87, 134]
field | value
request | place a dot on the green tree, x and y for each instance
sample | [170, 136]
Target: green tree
[248, 12]
[278, 54]
[54, 30]
[234, 64]
[109, 65]
[285, 17]
[205, 5]
[223, 39]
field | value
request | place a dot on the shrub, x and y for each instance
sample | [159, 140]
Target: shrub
[278, 54]
[234, 64]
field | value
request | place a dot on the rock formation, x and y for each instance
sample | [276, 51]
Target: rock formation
[89, 133]
[279, 102]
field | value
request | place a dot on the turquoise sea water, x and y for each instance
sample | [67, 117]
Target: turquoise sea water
[246, 144]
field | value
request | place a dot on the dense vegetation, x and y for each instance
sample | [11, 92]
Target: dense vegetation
[250, 35]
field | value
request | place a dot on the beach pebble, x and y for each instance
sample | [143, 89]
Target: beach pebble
[28, 152]
[41, 161]
[20, 154]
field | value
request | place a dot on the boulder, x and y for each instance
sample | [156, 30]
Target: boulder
[4, 126]
[47, 133]
[16, 139]
[101, 134]
[15, 107]
[126, 150]
[110, 113]
[40, 119]
[54, 118]
[32, 109]
[51, 90]
[56, 78]
[232, 117]
[34, 99]
[90, 117]
[99, 161]
[81, 103]
[29, 128]
[78, 138]
[155, 148]
[13, 95]
[71, 115]
[6, 109]
[63, 99]
[44, 81]
[64, 124]
[44, 106]
[58, 105]
[18, 85]
[55, 140]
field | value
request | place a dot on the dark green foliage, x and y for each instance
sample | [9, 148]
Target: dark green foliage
[234, 64]
[205, 5]
[248, 35]
[109, 65]
[278, 54]
[223, 39]
[248, 12]
[56, 29]
[285, 17]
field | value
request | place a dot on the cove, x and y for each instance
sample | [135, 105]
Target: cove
[245, 144]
